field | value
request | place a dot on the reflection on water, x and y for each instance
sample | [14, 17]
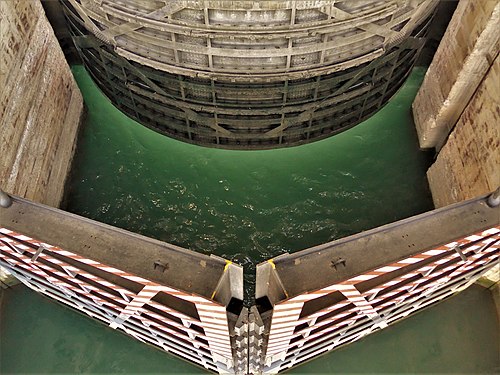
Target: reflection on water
[248, 206]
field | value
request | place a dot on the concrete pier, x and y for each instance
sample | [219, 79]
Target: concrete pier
[469, 162]
[40, 105]
[462, 61]
[457, 109]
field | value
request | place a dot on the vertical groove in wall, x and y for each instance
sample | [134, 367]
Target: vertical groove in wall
[469, 163]
[465, 54]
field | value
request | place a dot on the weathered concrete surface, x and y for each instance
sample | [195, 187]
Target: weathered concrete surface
[464, 56]
[469, 163]
[40, 105]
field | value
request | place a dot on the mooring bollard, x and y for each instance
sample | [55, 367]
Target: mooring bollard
[494, 198]
[5, 199]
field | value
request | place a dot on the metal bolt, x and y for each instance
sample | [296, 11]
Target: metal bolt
[5, 199]
[494, 198]
[161, 266]
[335, 263]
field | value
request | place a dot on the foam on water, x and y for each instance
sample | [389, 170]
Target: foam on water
[248, 206]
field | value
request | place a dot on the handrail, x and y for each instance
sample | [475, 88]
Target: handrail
[376, 247]
[155, 260]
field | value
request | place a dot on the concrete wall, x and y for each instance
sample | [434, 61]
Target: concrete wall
[40, 105]
[469, 163]
[465, 54]
[457, 108]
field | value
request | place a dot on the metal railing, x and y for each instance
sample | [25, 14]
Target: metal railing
[181, 301]
[191, 305]
[315, 300]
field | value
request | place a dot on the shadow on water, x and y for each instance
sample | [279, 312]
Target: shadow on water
[248, 206]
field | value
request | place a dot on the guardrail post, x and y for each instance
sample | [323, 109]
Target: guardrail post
[239, 341]
[257, 341]
[5, 199]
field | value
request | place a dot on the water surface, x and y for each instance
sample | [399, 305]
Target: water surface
[248, 206]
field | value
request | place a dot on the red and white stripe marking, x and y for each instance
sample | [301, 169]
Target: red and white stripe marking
[286, 314]
[213, 317]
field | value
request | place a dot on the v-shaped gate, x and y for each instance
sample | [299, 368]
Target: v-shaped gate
[307, 303]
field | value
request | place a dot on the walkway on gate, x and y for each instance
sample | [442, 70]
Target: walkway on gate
[79, 264]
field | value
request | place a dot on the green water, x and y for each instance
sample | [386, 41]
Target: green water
[248, 206]
[39, 336]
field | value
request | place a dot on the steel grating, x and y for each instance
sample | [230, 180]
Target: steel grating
[407, 265]
[246, 74]
[190, 314]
